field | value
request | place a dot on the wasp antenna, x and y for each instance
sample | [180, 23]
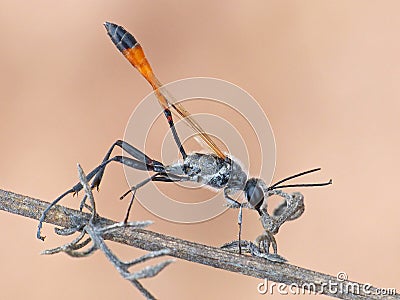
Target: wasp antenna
[294, 176]
[300, 185]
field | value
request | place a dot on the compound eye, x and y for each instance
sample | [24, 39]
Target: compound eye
[254, 193]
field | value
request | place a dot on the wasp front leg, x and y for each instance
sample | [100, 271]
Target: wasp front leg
[232, 203]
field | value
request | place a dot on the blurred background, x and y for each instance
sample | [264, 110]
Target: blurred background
[325, 72]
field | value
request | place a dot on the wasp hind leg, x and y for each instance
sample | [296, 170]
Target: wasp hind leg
[139, 162]
[138, 155]
[161, 177]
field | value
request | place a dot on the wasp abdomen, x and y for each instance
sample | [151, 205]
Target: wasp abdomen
[120, 37]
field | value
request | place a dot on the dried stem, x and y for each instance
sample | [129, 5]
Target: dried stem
[95, 232]
[203, 254]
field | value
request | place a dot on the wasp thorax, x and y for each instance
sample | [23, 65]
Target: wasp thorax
[208, 164]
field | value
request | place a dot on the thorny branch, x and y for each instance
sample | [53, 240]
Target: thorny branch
[96, 231]
[190, 251]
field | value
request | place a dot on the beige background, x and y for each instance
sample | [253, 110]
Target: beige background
[325, 72]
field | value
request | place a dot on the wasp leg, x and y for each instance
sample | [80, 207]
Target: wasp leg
[232, 203]
[171, 124]
[162, 177]
[132, 163]
[151, 164]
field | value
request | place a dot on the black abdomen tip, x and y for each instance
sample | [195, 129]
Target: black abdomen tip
[120, 37]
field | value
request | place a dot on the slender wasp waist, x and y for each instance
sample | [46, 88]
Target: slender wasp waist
[211, 170]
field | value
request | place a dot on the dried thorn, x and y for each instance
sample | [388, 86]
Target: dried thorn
[137, 225]
[52, 251]
[147, 256]
[67, 231]
[65, 247]
[84, 253]
[149, 271]
[81, 245]
[88, 191]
